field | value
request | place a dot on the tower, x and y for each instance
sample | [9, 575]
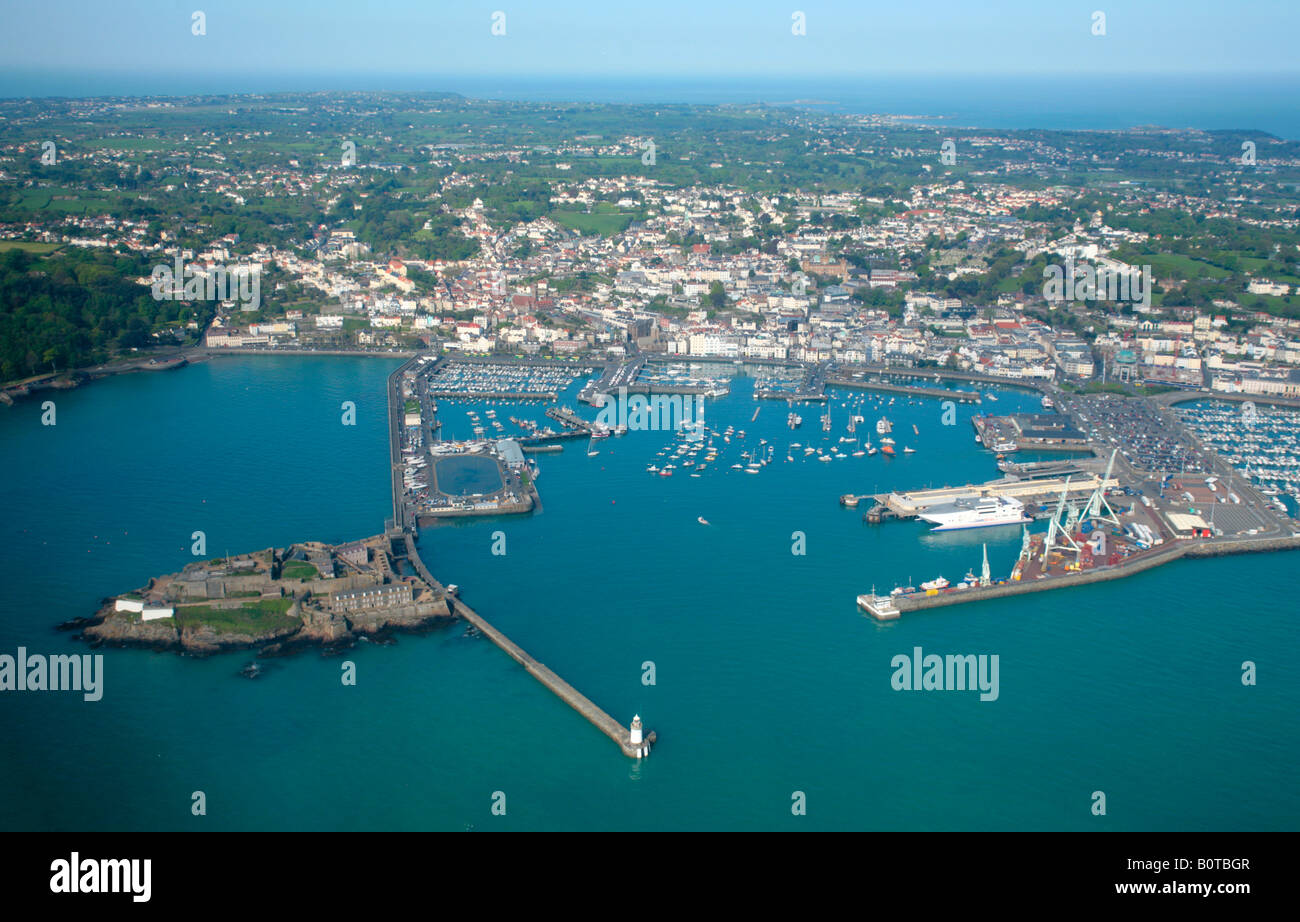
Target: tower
[636, 730]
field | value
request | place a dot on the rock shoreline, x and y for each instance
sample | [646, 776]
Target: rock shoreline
[315, 628]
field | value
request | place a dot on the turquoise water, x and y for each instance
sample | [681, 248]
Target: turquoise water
[768, 680]
[465, 475]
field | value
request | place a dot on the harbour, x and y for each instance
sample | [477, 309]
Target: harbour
[449, 704]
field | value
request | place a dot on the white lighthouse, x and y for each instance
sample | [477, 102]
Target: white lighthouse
[636, 730]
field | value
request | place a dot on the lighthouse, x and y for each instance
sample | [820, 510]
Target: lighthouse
[636, 730]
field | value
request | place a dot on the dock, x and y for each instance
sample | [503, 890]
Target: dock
[862, 383]
[908, 505]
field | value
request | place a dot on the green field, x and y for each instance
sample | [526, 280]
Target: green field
[592, 223]
[6, 245]
[298, 569]
[250, 618]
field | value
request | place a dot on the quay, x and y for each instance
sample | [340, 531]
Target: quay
[402, 528]
[1031, 492]
[890, 608]
[567, 417]
[861, 382]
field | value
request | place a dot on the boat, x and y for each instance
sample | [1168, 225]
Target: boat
[1047, 402]
[666, 472]
[887, 449]
[652, 468]
[975, 512]
[824, 458]
[990, 397]
[908, 450]
[935, 584]
[702, 520]
[884, 426]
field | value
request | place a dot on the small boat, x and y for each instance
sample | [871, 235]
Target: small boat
[702, 520]
[824, 458]
[935, 584]
[652, 468]
[887, 450]
[665, 473]
[908, 451]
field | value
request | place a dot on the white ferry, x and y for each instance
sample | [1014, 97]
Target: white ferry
[975, 513]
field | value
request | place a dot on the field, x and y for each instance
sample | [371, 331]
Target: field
[251, 617]
[586, 223]
[298, 569]
[6, 245]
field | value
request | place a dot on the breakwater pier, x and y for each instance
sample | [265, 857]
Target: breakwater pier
[630, 740]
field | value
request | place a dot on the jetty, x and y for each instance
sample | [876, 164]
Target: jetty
[403, 529]
[1031, 492]
[862, 382]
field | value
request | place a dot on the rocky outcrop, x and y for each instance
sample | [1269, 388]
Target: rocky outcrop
[312, 626]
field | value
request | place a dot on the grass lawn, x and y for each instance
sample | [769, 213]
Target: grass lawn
[251, 617]
[592, 223]
[298, 569]
[6, 245]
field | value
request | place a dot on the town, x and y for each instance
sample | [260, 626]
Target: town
[577, 249]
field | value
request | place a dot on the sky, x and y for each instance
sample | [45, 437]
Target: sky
[270, 41]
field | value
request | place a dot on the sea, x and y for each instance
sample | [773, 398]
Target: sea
[765, 684]
[1079, 101]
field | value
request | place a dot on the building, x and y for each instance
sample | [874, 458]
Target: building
[376, 597]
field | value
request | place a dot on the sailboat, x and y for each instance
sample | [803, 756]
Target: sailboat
[591, 453]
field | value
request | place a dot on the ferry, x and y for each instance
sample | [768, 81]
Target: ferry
[969, 512]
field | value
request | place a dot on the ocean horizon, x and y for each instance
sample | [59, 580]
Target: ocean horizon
[1263, 101]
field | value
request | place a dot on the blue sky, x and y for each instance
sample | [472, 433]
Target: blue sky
[664, 38]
